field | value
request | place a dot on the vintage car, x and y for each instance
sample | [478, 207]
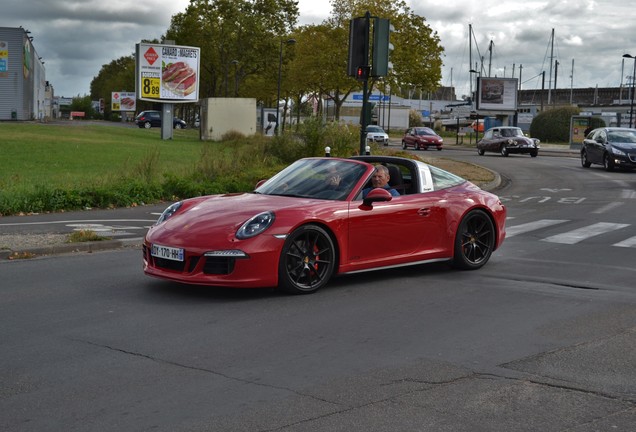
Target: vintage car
[421, 138]
[611, 147]
[506, 140]
[299, 228]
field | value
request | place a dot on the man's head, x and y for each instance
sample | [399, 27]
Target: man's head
[380, 177]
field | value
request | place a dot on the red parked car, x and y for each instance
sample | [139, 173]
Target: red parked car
[421, 138]
[300, 228]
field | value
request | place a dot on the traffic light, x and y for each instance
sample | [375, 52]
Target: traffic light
[358, 45]
[362, 73]
[381, 47]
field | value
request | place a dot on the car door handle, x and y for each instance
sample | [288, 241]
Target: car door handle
[424, 212]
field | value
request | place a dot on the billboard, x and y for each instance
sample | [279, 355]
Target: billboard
[167, 73]
[123, 101]
[497, 94]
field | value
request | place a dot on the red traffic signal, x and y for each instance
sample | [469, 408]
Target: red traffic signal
[362, 73]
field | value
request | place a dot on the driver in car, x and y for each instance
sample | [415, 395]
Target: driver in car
[380, 179]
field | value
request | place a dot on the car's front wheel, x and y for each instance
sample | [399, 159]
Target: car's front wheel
[307, 261]
[480, 152]
[504, 151]
[584, 162]
[474, 241]
[608, 162]
[403, 145]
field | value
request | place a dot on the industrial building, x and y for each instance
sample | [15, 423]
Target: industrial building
[23, 85]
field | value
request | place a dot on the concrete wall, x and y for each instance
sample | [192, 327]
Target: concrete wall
[221, 115]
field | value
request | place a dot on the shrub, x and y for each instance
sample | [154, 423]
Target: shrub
[553, 125]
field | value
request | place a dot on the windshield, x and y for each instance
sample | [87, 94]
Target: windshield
[424, 132]
[315, 178]
[625, 136]
[374, 129]
[511, 132]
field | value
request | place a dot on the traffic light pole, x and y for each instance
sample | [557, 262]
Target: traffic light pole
[364, 120]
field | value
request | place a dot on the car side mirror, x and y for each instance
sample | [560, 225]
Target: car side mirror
[375, 195]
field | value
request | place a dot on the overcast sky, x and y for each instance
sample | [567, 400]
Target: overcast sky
[76, 37]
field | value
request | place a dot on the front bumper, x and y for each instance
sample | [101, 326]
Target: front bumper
[257, 269]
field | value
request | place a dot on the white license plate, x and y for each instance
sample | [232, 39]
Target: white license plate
[175, 254]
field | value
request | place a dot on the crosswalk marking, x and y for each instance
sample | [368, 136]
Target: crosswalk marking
[573, 236]
[630, 242]
[577, 235]
[531, 226]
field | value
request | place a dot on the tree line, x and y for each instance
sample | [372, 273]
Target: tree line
[241, 43]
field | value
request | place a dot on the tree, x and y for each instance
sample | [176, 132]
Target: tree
[320, 64]
[118, 75]
[238, 39]
[417, 54]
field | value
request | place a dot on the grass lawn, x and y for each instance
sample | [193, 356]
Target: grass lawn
[35, 154]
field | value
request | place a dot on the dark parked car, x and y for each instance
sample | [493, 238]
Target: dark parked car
[611, 147]
[148, 119]
[421, 138]
[506, 140]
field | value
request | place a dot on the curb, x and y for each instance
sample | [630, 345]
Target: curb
[87, 247]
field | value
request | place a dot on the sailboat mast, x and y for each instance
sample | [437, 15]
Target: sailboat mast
[551, 58]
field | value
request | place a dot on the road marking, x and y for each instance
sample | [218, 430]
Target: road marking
[531, 226]
[630, 242]
[608, 207]
[76, 221]
[577, 235]
[628, 194]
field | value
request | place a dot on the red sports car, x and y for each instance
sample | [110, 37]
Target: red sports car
[309, 222]
[421, 138]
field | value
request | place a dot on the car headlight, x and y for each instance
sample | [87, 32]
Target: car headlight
[255, 225]
[618, 152]
[167, 213]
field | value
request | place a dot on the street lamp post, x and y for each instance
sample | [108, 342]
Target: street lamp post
[474, 100]
[631, 107]
[280, 71]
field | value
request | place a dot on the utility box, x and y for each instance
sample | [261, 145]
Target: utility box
[221, 115]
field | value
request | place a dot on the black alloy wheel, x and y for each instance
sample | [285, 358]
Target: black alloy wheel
[307, 261]
[584, 162]
[480, 152]
[474, 241]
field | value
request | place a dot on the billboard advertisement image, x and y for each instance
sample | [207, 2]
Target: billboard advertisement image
[497, 94]
[123, 101]
[167, 73]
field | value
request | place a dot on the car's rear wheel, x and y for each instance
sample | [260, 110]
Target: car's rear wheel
[608, 162]
[584, 162]
[147, 125]
[480, 152]
[308, 260]
[474, 241]
[504, 151]
[177, 126]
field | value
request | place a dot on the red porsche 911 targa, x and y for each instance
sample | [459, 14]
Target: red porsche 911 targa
[310, 222]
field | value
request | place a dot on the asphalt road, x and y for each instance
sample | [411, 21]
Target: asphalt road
[541, 339]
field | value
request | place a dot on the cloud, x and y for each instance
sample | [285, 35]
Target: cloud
[77, 37]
